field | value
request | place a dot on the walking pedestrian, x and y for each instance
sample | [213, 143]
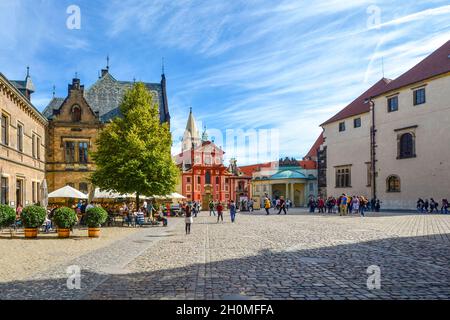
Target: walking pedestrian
[232, 211]
[211, 208]
[267, 205]
[188, 219]
[444, 208]
[282, 205]
[419, 205]
[219, 208]
[343, 205]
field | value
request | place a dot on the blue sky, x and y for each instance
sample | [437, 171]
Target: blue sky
[253, 64]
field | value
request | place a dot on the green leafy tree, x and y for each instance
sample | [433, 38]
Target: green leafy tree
[133, 151]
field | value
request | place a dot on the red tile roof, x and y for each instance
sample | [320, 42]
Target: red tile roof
[435, 64]
[308, 164]
[358, 106]
[248, 170]
[313, 151]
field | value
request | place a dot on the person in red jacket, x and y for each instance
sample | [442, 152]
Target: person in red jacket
[321, 205]
[219, 209]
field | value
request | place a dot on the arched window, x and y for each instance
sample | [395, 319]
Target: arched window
[208, 177]
[76, 113]
[393, 184]
[406, 145]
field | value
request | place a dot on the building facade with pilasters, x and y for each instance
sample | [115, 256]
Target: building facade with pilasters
[22, 144]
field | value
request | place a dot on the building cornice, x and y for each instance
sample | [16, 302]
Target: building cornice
[18, 98]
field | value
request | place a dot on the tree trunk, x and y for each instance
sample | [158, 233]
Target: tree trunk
[137, 201]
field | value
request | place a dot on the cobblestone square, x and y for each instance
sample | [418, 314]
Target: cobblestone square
[294, 256]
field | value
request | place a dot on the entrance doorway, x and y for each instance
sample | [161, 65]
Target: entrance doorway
[19, 192]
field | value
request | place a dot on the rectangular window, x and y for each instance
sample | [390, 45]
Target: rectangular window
[392, 104]
[83, 187]
[33, 191]
[343, 177]
[38, 191]
[70, 151]
[38, 147]
[5, 126]
[83, 152]
[419, 96]
[357, 122]
[188, 188]
[33, 145]
[70, 184]
[20, 137]
[4, 190]
[311, 187]
[341, 126]
[188, 179]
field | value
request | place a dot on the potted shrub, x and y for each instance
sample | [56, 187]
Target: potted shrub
[32, 218]
[7, 216]
[95, 217]
[64, 218]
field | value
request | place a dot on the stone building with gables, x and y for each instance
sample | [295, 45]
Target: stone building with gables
[75, 122]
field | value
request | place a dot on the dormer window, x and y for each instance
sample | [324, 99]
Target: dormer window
[76, 113]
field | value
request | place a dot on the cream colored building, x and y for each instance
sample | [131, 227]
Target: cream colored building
[410, 153]
[412, 121]
[22, 144]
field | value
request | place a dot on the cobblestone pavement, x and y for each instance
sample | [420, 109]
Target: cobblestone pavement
[297, 256]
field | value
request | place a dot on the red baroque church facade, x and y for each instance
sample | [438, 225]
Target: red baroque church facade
[204, 177]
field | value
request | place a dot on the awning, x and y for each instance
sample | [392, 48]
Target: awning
[67, 192]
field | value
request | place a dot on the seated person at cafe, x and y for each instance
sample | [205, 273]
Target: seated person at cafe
[159, 217]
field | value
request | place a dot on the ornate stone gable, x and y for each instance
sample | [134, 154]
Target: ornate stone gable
[75, 108]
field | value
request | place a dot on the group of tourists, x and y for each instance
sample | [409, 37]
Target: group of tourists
[190, 210]
[343, 205]
[432, 206]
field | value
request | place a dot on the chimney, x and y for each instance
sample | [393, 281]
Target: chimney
[76, 85]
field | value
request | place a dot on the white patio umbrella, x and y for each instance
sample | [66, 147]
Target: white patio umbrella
[44, 193]
[100, 194]
[67, 192]
[175, 195]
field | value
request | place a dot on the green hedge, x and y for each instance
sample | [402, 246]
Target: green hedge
[65, 218]
[7, 216]
[33, 216]
[95, 217]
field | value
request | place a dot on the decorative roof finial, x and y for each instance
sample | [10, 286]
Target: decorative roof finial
[190, 109]
[107, 62]
[76, 75]
[28, 71]
[204, 134]
[54, 89]
[162, 65]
